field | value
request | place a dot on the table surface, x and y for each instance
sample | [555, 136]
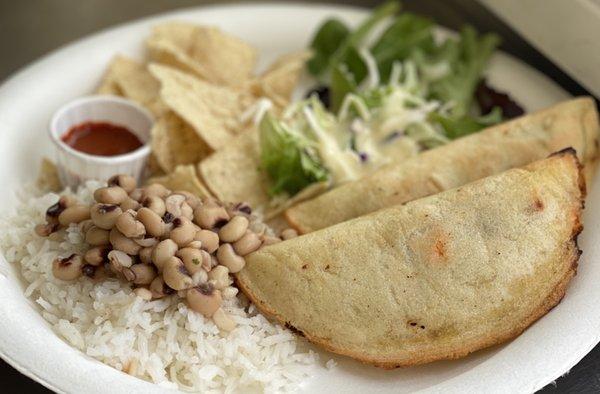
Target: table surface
[32, 28]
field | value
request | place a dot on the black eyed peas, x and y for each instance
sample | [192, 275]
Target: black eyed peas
[204, 299]
[234, 230]
[96, 236]
[176, 275]
[162, 252]
[122, 243]
[129, 226]
[68, 268]
[247, 244]
[183, 231]
[110, 195]
[209, 215]
[208, 239]
[227, 257]
[152, 222]
[162, 242]
[105, 215]
[74, 214]
[126, 182]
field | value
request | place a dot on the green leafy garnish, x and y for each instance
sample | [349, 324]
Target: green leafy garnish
[334, 43]
[467, 58]
[286, 156]
[342, 83]
[465, 125]
[327, 40]
[409, 33]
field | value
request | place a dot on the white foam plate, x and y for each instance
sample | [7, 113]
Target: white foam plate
[543, 353]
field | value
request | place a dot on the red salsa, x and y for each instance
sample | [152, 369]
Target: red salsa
[101, 139]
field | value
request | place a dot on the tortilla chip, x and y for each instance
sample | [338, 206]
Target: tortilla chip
[130, 79]
[48, 179]
[153, 168]
[279, 81]
[183, 178]
[213, 111]
[232, 174]
[174, 142]
[207, 52]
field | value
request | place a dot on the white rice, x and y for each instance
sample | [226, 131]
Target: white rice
[160, 341]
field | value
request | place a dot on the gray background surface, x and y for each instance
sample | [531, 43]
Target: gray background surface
[32, 28]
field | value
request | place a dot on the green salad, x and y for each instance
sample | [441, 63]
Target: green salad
[389, 90]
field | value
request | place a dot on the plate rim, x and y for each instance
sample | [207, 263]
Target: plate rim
[323, 7]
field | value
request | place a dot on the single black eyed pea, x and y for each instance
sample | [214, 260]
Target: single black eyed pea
[146, 242]
[129, 226]
[156, 204]
[219, 277]
[288, 233]
[105, 215]
[97, 236]
[162, 252]
[183, 231]
[45, 229]
[85, 225]
[146, 255]
[140, 274]
[126, 182]
[192, 200]
[173, 204]
[268, 240]
[96, 255]
[129, 203]
[194, 259]
[69, 268]
[156, 189]
[227, 257]
[258, 227]
[143, 293]
[209, 215]
[194, 244]
[122, 243]
[119, 260]
[68, 201]
[222, 320]
[110, 195]
[175, 275]
[159, 288]
[234, 230]
[247, 244]
[137, 194]
[209, 239]
[204, 299]
[74, 214]
[152, 222]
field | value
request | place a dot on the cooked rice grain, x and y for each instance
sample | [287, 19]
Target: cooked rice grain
[172, 346]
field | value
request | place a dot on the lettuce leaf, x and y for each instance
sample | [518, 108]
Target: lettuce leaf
[467, 58]
[334, 43]
[456, 127]
[407, 34]
[286, 156]
[326, 41]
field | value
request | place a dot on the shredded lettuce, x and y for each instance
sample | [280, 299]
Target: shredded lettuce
[287, 157]
[394, 90]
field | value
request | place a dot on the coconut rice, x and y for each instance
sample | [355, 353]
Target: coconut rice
[160, 341]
